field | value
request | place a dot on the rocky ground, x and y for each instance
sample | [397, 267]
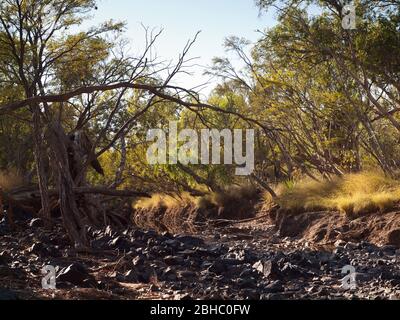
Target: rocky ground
[241, 262]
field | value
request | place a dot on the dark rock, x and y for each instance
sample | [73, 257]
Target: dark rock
[169, 274]
[5, 257]
[138, 234]
[138, 261]
[131, 276]
[275, 287]
[269, 269]
[389, 250]
[187, 275]
[231, 262]
[6, 272]
[155, 288]
[167, 235]
[251, 294]
[75, 274]
[290, 270]
[172, 243]
[247, 283]
[173, 260]
[217, 267]
[109, 231]
[190, 241]
[120, 243]
[36, 223]
[38, 249]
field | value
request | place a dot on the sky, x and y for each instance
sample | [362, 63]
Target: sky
[181, 20]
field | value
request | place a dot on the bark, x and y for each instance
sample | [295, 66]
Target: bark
[40, 165]
[74, 220]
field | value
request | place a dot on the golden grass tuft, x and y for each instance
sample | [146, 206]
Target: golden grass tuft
[159, 200]
[353, 194]
[10, 179]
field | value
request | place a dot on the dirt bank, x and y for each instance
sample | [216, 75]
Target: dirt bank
[328, 227]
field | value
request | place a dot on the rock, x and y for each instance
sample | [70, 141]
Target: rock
[5, 257]
[268, 269]
[155, 288]
[250, 294]
[217, 267]
[275, 287]
[173, 260]
[75, 274]
[247, 283]
[38, 249]
[172, 243]
[393, 238]
[138, 234]
[109, 231]
[169, 274]
[6, 272]
[293, 271]
[36, 223]
[187, 275]
[351, 246]
[131, 276]
[138, 261]
[231, 262]
[6, 294]
[120, 243]
[190, 241]
[389, 250]
[339, 243]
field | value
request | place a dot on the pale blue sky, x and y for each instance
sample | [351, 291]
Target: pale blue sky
[181, 19]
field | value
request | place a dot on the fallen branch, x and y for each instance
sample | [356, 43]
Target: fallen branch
[111, 192]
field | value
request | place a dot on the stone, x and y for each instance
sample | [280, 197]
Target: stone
[187, 275]
[5, 257]
[36, 223]
[120, 243]
[217, 267]
[38, 249]
[75, 274]
[268, 269]
[275, 287]
[169, 274]
[173, 260]
[6, 272]
[131, 276]
[190, 241]
[138, 261]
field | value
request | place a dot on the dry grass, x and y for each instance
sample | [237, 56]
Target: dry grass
[158, 200]
[231, 196]
[233, 203]
[353, 193]
[10, 179]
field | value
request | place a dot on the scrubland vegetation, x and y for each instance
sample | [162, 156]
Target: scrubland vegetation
[324, 102]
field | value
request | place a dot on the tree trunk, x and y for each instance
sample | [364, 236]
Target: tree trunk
[40, 166]
[74, 220]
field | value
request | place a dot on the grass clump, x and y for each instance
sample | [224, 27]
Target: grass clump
[159, 200]
[10, 179]
[353, 194]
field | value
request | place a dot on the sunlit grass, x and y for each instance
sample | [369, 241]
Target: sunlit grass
[159, 200]
[10, 179]
[352, 193]
[232, 196]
